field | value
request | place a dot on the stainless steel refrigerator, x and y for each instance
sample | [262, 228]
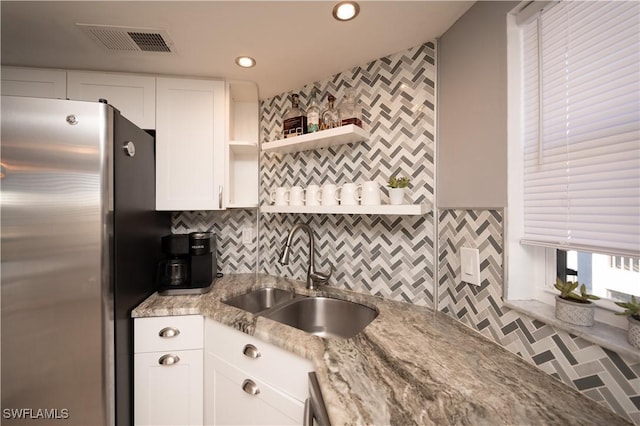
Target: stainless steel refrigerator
[79, 246]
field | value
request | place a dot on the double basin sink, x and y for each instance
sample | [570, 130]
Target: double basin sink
[320, 316]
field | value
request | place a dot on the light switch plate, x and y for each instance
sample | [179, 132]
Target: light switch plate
[470, 265]
[247, 236]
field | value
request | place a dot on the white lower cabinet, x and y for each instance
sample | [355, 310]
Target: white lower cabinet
[189, 370]
[251, 382]
[228, 403]
[168, 370]
[168, 394]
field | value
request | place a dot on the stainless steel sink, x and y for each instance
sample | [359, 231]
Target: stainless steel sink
[324, 317]
[261, 299]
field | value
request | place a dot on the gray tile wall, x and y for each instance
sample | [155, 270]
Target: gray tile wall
[234, 257]
[393, 256]
[599, 373]
[390, 256]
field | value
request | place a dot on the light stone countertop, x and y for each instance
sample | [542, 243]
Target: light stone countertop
[409, 366]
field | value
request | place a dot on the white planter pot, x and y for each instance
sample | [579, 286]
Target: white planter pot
[396, 195]
[633, 334]
[574, 312]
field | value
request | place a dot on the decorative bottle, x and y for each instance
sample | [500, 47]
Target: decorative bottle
[295, 120]
[330, 117]
[349, 110]
[313, 114]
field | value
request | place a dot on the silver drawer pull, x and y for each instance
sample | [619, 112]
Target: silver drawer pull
[169, 332]
[251, 351]
[250, 387]
[168, 359]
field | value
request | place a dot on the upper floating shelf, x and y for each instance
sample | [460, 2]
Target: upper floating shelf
[322, 139]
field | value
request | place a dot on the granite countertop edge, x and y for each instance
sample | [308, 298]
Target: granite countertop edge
[411, 365]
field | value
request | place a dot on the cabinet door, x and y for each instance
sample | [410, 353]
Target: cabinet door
[168, 394]
[133, 95]
[190, 164]
[227, 403]
[33, 82]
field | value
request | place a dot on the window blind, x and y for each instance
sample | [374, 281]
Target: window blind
[581, 127]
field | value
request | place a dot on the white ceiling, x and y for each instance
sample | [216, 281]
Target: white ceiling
[293, 42]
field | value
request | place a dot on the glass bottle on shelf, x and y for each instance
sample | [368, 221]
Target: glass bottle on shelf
[349, 109]
[313, 114]
[330, 117]
[295, 120]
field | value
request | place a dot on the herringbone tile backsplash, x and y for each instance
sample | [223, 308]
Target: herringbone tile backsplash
[390, 256]
[234, 257]
[600, 374]
[393, 256]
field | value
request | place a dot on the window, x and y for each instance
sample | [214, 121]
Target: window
[608, 277]
[574, 153]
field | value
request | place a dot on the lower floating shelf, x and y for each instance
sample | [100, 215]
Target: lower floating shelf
[383, 209]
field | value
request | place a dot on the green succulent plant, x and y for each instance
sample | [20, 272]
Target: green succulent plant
[631, 309]
[567, 292]
[398, 182]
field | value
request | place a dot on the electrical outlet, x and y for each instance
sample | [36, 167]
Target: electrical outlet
[247, 236]
[470, 265]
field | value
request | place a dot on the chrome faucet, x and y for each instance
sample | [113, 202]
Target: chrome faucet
[314, 278]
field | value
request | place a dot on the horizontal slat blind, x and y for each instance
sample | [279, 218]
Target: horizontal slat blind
[581, 74]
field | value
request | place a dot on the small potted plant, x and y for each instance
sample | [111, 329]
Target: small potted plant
[632, 310]
[574, 308]
[397, 186]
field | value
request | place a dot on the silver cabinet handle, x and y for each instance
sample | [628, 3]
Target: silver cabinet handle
[250, 387]
[251, 351]
[220, 197]
[168, 359]
[169, 332]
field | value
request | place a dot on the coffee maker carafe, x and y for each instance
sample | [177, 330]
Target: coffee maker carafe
[191, 264]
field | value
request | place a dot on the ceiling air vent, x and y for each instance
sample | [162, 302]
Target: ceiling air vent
[127, 39]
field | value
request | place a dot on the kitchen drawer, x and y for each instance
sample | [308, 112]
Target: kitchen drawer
[181, 333]
[228, 403]
[276, 366]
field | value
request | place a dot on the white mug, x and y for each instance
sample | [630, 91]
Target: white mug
[370, 193]
[348, 194]
[313, 195]
[296, 196]
[329, 195]
[280, 196]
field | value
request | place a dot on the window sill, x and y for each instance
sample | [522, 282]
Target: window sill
[607, 336]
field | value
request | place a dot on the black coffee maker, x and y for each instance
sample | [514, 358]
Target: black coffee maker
[191, 264]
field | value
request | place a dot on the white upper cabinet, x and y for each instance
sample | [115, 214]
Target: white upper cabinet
[133, 95]
[34, 82]
[190, 144]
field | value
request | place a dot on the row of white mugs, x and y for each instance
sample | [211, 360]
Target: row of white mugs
[348, 194]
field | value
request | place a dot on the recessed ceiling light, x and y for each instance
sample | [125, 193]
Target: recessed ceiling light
[245, 61]
[346, 10]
